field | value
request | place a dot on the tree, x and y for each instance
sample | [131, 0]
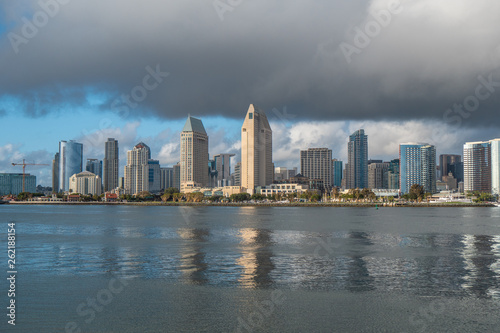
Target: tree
[417, 192]
[166, 196]
[23, 196]
[240, 197]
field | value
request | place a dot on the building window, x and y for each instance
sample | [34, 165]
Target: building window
[250, 115]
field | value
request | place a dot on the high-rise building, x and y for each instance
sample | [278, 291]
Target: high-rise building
[256, 150]
[110, 165]
[417, 166]
[237, 174]
[448, 163]
[70, 162]
[154, 176]
[121, 182]
[94, 166]
[495, 166]
[223, 168]
[85, 183]
[166, 178]
[194, 154]
[477, 166]
[177, 175]
[393, 175]
[337, 172]
[137, 169]
[357, 165]
[55, 173]
[317, 163]
[378, 175]
[12, 183]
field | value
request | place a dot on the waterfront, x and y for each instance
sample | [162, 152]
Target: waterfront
[208, 269]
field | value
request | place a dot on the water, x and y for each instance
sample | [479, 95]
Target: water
[227, 269]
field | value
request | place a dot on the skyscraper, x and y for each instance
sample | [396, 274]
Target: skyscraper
[154, 177]
[378, 175]
[495, 166]
[94, 166]
[166, 178]
[357, 164]
[237, 174]
[450, 163]
[194, 154]
[110, 164]
[137, 169]
[55, 173]
[256, 150]
[477, 167]
[417, 166]
[317, 163]
[337, 173]
[223, 168]
[70, 162]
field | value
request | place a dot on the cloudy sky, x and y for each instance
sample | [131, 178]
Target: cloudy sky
[419, 70]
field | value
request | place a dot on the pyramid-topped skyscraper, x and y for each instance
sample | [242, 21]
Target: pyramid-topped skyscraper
[194, 154]
[256, 150]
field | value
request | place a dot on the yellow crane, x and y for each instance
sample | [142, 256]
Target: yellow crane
[24, 164]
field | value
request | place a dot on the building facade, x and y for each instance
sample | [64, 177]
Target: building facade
[393, 175]
[256, 150]
[282, 174]
[417, 166]
[194, 154]
[85, 183]
[70, 162]
[12, 183]
[55, 173]
[337, 172]
[110, 165]
[94, 166]
[317, 163]
[137, 169]
[451, 163]
[166, 178]
[357, 164]
[378, 175]
[223, 170]
[477, 166]
[495, 166]
[177, 176]
[154, 176]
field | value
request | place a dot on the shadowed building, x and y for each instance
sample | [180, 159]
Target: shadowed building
[357, 165]
[110, 165]
[194, 154]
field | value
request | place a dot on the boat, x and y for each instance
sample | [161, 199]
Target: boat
[3, 202]
[497, 204]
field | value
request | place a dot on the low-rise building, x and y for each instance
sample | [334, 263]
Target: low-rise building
[85, 183]
[284, 189]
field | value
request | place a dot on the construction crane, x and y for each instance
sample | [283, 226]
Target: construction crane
[24, 164]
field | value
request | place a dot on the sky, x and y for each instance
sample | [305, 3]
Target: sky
[419, 70]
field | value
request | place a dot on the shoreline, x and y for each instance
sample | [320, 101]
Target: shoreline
[237, 204]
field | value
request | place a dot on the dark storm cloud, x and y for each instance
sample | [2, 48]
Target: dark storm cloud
[427, 57]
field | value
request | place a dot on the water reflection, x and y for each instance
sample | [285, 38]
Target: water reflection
[193, 263]
[255, 258]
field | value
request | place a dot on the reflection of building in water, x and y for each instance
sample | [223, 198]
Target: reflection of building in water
[256, 258]
[481, 259]
[192, 257]
[359, 278]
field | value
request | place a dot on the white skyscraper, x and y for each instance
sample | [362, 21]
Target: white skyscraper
[194, 154]
[256, 150]
[137, 169]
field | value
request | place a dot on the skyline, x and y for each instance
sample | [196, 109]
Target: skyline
[212, 66]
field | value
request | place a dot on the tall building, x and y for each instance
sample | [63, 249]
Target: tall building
[137, 169]
[337, 172]
[194, 154]
[477, 166]
[110, 165]
[378, 175]
[94, 166]
[12, 183]
[223, 169]
[177, 175]
[495, 166]
[448, 163]
[256, 150]
[166, 178]
[85, 183]
[70, 162]
[317, 163]
[357, 164]
[154, 177]
[237, 174]
[393, 175]
[55, 173]
[417, 166]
